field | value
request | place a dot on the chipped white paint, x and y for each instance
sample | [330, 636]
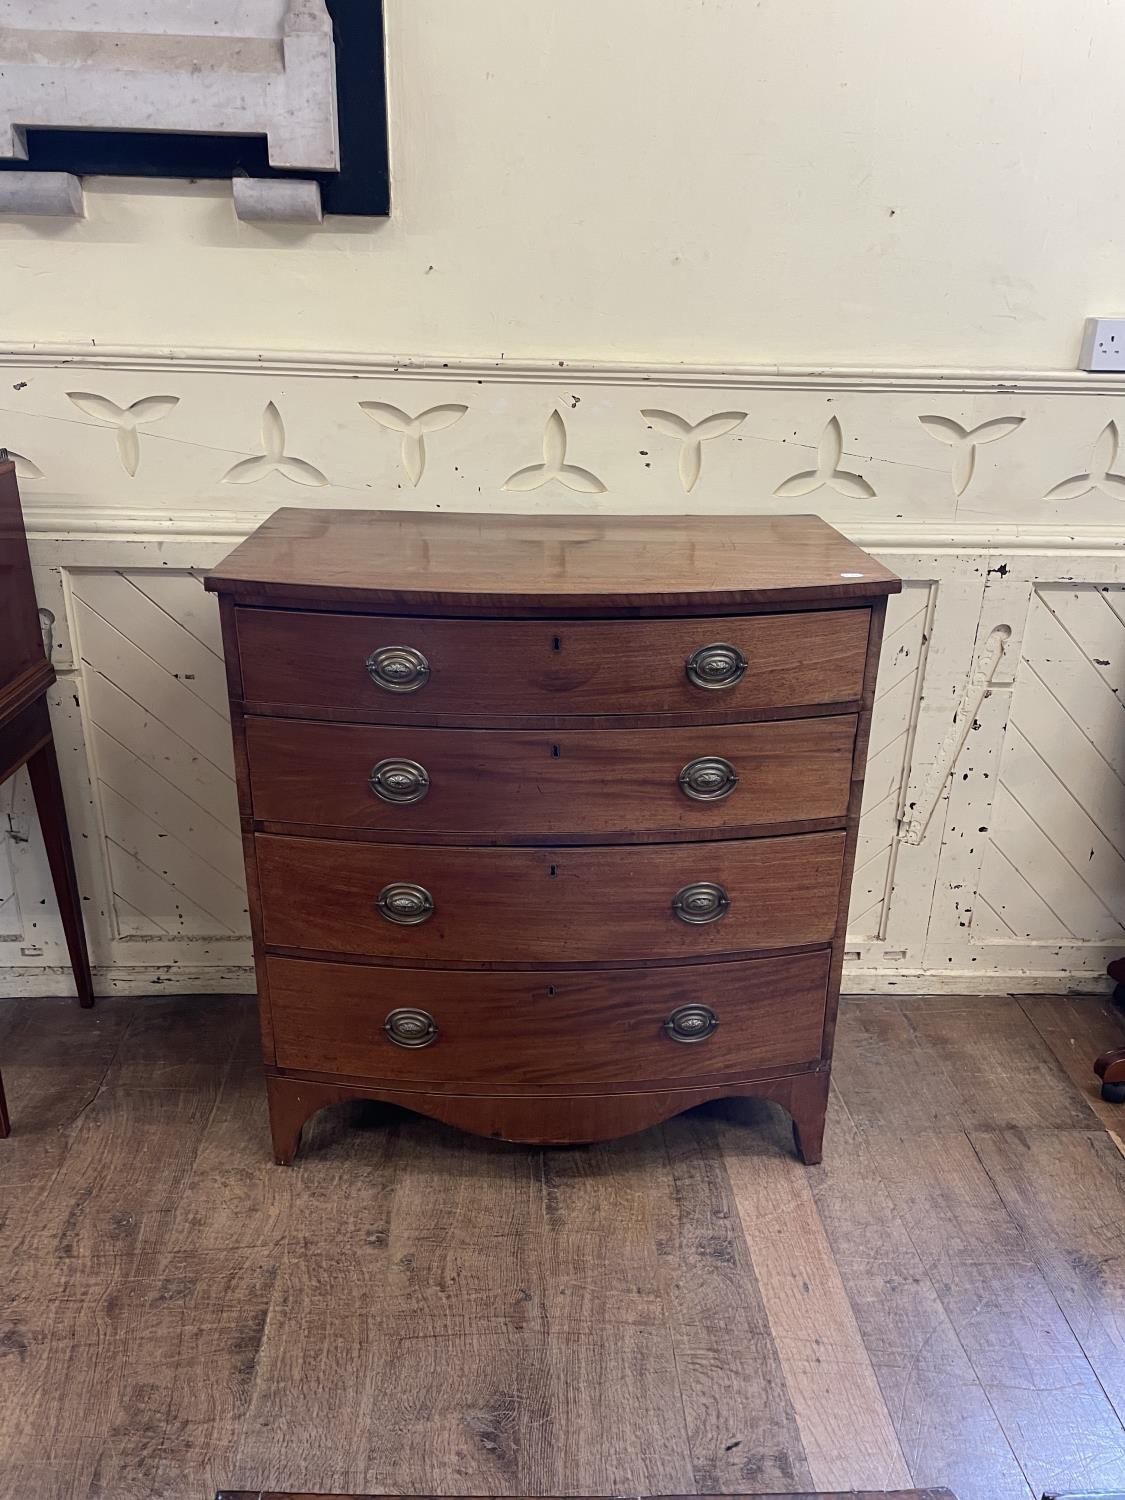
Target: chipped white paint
[999, 694]
[253, 67]
[910, 618]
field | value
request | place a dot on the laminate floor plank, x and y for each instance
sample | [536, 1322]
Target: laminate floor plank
[54, 1058]
[1053, 1410]
[413, 1310]
[1066, 1190]
[115, 1193]
[845, 1426]
[506, 1411]
[169, 1045]
[946, 1425]
[1004, 1074]
[603, 1214]
[743, 1430]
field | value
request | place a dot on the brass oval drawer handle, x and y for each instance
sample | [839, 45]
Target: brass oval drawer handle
[405, 903]
[399, 780]
[716, 666]
[710, 778]
[702, 902]
[398, 669]
[407, 1027]
[691, 1023]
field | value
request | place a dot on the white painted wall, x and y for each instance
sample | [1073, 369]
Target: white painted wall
[638, 207]
[864, 181]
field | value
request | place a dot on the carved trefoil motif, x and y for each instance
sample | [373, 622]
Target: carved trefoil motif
[414, 429]
[555, 466]
[830, 450]
[964, 442]
[273, 459]
[125, 420]
[692, 437]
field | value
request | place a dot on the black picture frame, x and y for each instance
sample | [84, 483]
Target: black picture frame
[362, 186]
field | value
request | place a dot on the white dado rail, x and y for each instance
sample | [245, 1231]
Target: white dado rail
[992, 850]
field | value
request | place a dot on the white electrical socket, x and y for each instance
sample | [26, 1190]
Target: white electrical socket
[1103, 345]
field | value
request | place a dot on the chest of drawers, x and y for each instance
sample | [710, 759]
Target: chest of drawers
[549, 821]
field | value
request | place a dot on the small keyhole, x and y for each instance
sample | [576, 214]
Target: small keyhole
[556, 643]
[554, 871]
[555, 752]
[551, 992]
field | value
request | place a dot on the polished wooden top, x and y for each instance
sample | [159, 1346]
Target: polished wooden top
[450, 563]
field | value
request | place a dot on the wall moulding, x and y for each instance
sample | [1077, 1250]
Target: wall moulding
[206, 440]
[27, 983]
[596, 372]
[46, 522]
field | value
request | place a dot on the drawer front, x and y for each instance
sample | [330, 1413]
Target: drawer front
[483, 905]
[513, 1031]
[498, 783]
[470, 670]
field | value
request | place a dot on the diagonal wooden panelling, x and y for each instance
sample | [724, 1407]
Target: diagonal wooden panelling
[892, 727]
[10, 923]
[160, 752]
[1054, 871]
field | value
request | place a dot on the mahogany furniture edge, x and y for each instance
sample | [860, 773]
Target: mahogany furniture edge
[551, 1119]
[528, 578]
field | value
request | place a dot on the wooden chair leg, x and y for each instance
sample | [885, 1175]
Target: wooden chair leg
[46, 785]
[5, 1123]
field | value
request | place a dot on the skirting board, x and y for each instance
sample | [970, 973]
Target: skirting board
[184, 979]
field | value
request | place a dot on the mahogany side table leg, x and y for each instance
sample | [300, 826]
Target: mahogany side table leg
[1110, 1067]
[5, 1123]
[46, 785]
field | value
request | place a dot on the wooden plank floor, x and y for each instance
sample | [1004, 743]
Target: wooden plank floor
[687, 1311]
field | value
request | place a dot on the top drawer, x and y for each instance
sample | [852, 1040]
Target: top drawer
[390, 669]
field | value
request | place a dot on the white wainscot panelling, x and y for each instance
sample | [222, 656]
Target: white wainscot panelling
[143, 738]
[893, 726]
[1032, 878]
[1054, 869]
[926, 664]
[11, 925]
[991, 842]
[158, 741]
[31, 934]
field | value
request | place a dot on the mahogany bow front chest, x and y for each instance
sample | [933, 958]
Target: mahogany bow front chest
[549, 821]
